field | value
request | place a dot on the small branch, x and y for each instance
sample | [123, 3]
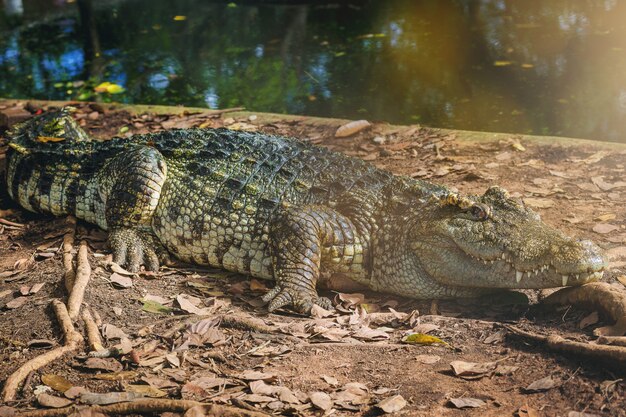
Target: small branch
[93, 334]
[615, 355]
[83, 272]
[149, 406]
[601, 295]
[72, 340]
[68, 247]
[10, 223]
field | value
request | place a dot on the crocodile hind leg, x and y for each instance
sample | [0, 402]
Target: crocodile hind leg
[134, 181]
[304, 240]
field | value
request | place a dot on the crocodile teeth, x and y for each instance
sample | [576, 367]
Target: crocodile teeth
[529, 273]
[518, 276]
[504, 256]
[577, 277]
[564, 277]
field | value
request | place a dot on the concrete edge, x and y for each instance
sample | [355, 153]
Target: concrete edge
[462, 136]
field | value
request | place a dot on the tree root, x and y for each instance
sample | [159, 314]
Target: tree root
[93, 334]
[148, 406]
[72, 341]
[599, 295]
[68, 247]
[614, 355]
[83, 273]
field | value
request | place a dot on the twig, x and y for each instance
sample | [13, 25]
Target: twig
[615, 355]
[93, 334]
[68, 243]
[230, 110]
[72, 340]
[83, 272]
[10, 223]
[611, 300]
[148, 406]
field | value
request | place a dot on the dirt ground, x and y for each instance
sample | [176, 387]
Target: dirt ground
[205, 335]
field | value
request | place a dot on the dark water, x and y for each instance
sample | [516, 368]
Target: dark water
[544, 67]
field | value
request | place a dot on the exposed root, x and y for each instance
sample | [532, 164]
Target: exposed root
[10, 223]
[612, 340]
[614, 355]
[72, 340]
[93, 334]
[600, 295]
[83, 273]
[149, 406]
[68, 247]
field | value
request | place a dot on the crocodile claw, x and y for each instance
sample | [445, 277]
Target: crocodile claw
[133, 248]
[300, 301]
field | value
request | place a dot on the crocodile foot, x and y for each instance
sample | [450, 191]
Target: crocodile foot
[301, 301]
[133, 248]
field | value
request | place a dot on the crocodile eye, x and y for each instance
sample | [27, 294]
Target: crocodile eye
[480, 211]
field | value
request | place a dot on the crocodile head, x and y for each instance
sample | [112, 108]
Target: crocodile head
[493, 241]
[43, 131]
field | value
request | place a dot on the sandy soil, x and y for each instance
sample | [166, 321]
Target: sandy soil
[347, 363]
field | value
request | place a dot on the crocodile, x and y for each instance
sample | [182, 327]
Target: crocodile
[279, 208]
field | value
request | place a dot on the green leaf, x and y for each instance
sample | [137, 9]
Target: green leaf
[154, 307]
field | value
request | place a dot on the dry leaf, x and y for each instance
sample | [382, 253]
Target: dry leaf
[145, 390]
[542, 384]
[351, 128]
[428, 359]
[471, 369]
[423, 339]
[108, 398]
[330, 380]
[467, 402]
[16, 302]
[109, 331]
[103, 364]
[52, 401]
[604, 228]
[606, 217]
[56, 382]
[121, 281]
[250, 375]
[321, 400]
[392, 404]
[190, 304]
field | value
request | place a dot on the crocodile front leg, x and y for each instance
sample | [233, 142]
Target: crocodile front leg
[303, 241]
[134, 181]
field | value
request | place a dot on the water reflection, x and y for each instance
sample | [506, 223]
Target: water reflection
[538, 67]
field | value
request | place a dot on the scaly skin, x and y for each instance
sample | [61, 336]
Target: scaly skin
[277, 208]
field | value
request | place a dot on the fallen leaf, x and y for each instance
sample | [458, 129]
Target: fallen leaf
[496, 337]
[102, 364]
[110, 331]
[428, 359]
[617, 253]
[189, 304]
[581, 414]
[256, 398]
[52, 401]
[250, 375]
[56, 382]
[35, 288]
[351, 128]
[392, 404]
[472, 369]
[604, 228]
[606, 217]
[154, 307]
[321, 400]
[117, 376]
[40, 343]
[330, 380]
[622, 279]
[543, 384]
[467, 402]
[92, 398]
[16, 302]
[423, 339]
[118, 269]
[109, 87]
[121, 281]
[145, 390]
[425, 328]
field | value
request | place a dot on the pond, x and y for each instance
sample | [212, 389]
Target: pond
[543, 67]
